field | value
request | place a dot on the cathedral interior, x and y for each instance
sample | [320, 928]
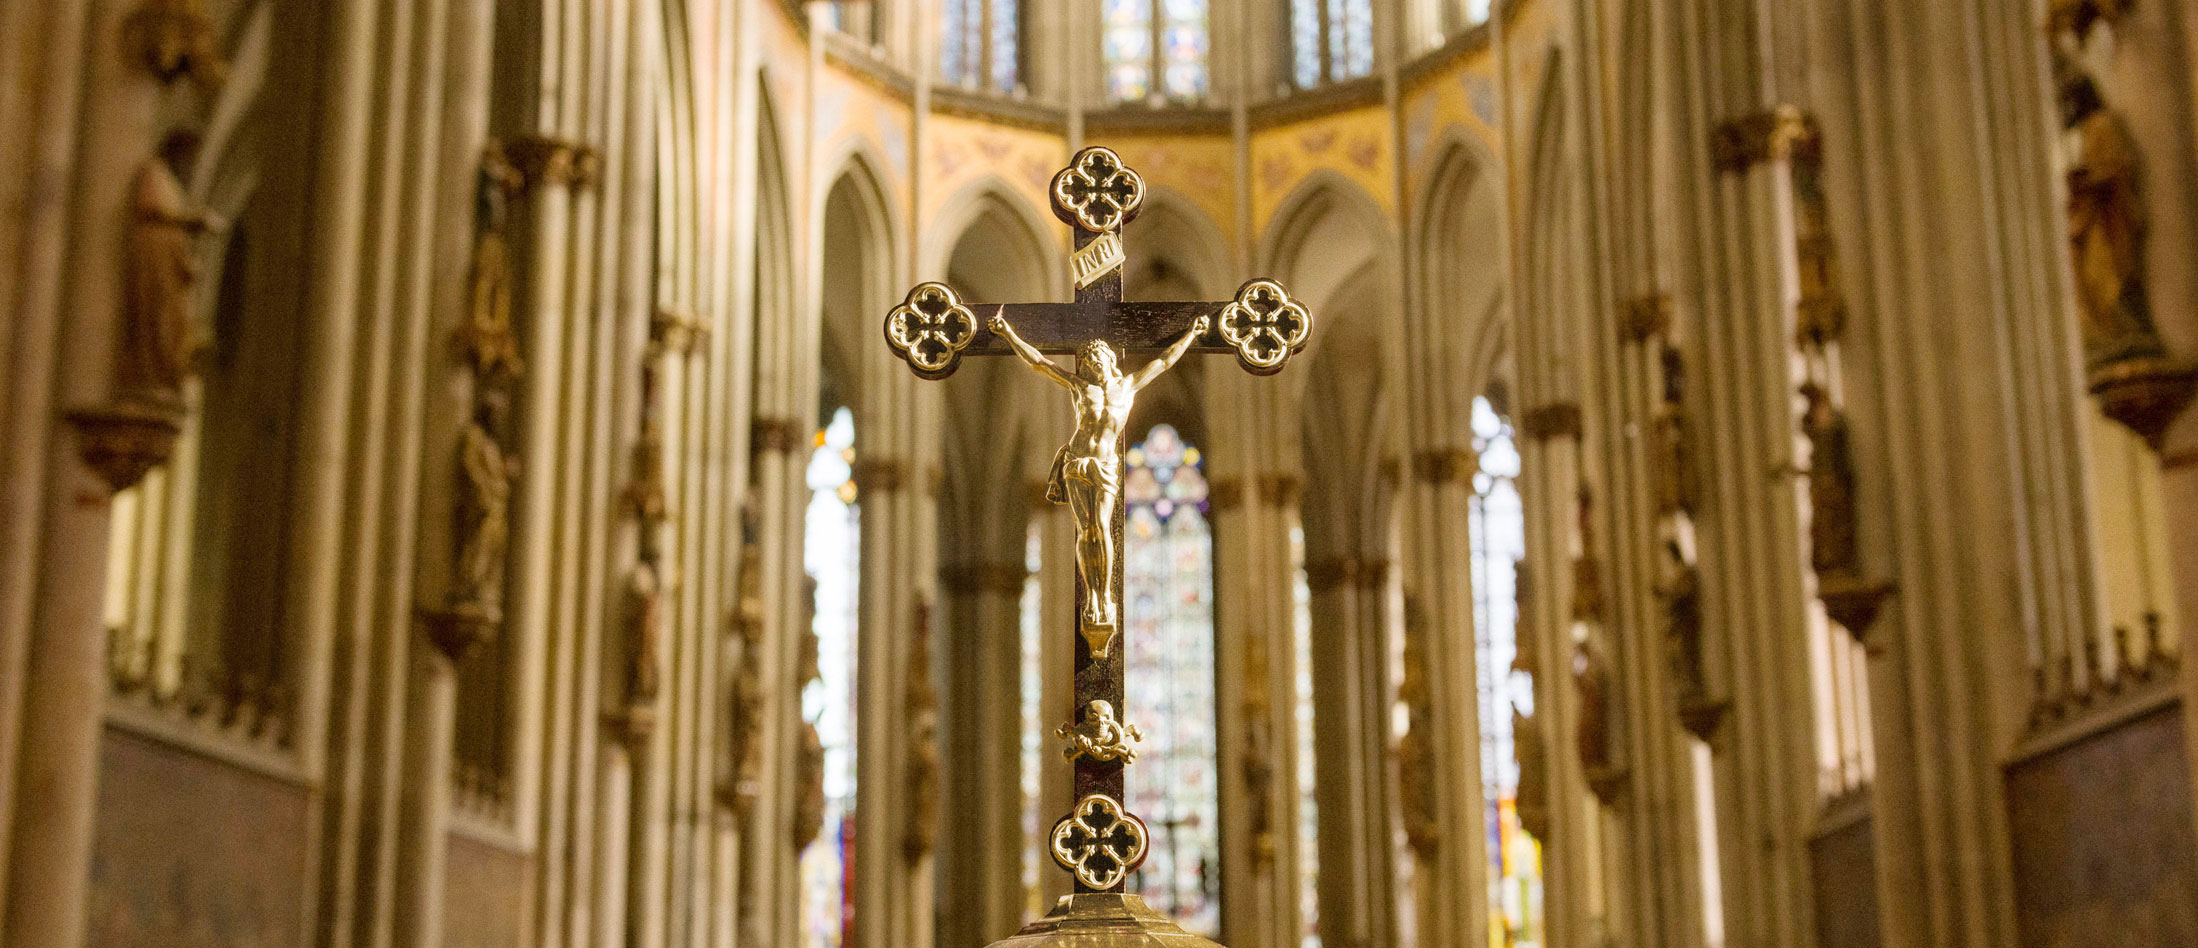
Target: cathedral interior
[1736, 487]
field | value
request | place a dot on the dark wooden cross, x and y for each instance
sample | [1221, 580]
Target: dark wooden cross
[1100, 841]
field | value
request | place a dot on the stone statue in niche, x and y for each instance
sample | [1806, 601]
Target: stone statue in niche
[745, 713]
[1259, 780]
[157, 345]
[1528, 746]
[1680, 588]
[1587, 570]
[2105, 225]
[1525, 658]
[1257, 761]
[1597, 727]
[809, 757]
[1832, 514]
[744, 695]
[1674, 481]
[922, 777]
[645, 634]
[1416, 749]
[1533, 757]
[808, 820]
[487, 338]
[484, 508]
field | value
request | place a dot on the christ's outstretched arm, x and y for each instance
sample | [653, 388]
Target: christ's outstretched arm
[1046, 367]
[1167, 359]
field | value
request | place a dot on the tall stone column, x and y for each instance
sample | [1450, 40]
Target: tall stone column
[978, 631]
[1354, 773]
[38, 136]
[1962, 397]
[1254, 502]
[1442, 774]
[2150, 80]
[71, 345]
[1731, 226]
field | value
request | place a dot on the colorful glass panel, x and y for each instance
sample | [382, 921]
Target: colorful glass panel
[832, 545]
[1034, 727]
[1497, 520]
[1183, 46]
[1006, 39]
[1305, 42]
[1168, 577]
[980, 43]
[1308, 807]
[1350, 38]
[1126, 46]
[957, 50]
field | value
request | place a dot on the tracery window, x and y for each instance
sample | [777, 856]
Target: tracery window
[856, 18]
[1030, 618]
[1457, 15]
[1497, 519]
[1155, 50]
[831, 549]
[1330, 40]
[1308, 806]
[1168, 577]
[980, 46]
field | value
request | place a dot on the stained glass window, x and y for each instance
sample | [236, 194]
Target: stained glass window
[1455, 16]
[1330, 40]
[831, 547]
[1155, 49]
[1168, 579]
[1498, 523]
[1308, 809]
[1183, 49]
[1034, 728]
[959, 20]
[1305, 65]
[857, 18]
[980, 44]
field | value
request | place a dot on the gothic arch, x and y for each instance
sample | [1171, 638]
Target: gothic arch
[1549, 259]
[1032, 239]
[1175, 252]
[774, 276]
[1170, 221]
[1462, 273]
[1330, 242]
[856, 231]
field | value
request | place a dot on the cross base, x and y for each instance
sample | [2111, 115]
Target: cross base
[1104, 920]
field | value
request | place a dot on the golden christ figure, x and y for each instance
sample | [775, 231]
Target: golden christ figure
[1087, 471]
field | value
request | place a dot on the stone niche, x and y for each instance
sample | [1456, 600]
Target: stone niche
[193, 852]
[2103, 842]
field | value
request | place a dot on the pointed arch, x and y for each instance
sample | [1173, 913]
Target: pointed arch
[1463, 271]
[1175, 250]
[858, 225]
[1329, 243]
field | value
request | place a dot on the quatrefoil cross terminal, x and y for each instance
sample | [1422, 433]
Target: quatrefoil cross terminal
[1264, 325]
[1096, 191]
[930, 329]
[1100, 842]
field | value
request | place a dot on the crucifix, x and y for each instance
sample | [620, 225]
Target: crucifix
[1100, 842]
